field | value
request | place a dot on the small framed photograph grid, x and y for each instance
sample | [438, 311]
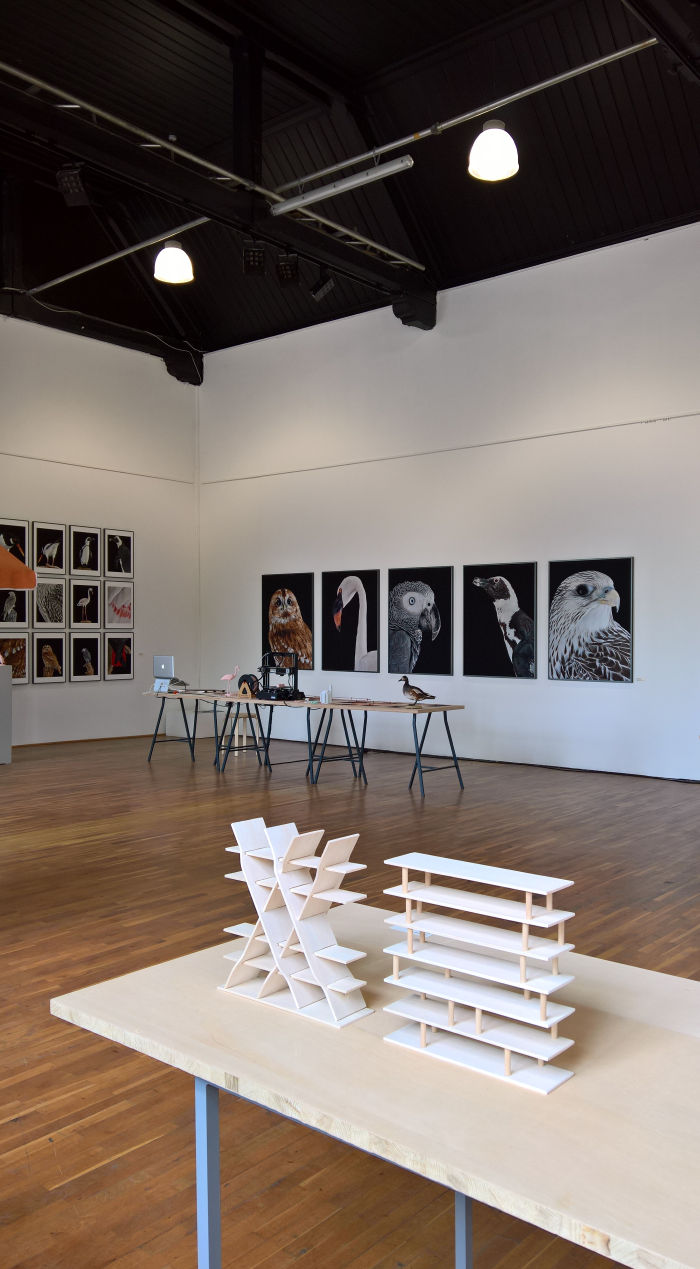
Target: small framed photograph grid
[14, 537]
[14, 649]
[85, 603]
[48, 548]
[14, 609]
[118, 605]
[50, 603]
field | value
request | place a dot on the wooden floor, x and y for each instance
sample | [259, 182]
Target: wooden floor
[108, 864]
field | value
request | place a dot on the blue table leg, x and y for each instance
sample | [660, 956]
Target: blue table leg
[417, 766]
[206, 1123]
[155, 733]
[452, 749]
[264, 735]
[319, 764]
[231, 734]
[348, 746]
[190, 742]
[360, 748]
[464, 1257]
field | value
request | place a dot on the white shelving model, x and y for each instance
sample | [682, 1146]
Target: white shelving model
[481, 993]
[289, 956]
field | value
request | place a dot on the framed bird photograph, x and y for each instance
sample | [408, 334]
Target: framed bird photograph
[119, 656]
[350, 620]
[119, 553]
[500, 620]
[50, 603]
[14, 607]
[590, 620]
[14, 537]
[119, 605]
[49, 548]
[420, 620]
[85, 657]
[288, 615]
[85, 553]
[14, 650]
[49, 659]
[84, 603]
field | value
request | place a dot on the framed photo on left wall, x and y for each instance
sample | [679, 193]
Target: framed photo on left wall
[119, 656]
[85, 554]
[49, 660]
[14, 650]
[288, 615]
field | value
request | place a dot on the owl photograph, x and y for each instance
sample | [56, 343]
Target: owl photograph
[499, 620]
[420, 620]
[49, 658]
[288, 615]
[590, 620]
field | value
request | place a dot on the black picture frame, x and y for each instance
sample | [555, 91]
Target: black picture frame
[118, 664]
[48, 548]
[85, 656]
[49, 657]
[500, 620]
[85, 603]
[118, 604]
[14, 608]
[432, 652]
[15, 650]
[291, 629]
[119, 553]
[14, 537]
[85, 551]
[50, 603]
[350, 620]
[579, 667]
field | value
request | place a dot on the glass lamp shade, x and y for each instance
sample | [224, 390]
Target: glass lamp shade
[494, 154]
[173, 264]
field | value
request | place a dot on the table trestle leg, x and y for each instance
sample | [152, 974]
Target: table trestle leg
[206, 1120]
[464, 1255]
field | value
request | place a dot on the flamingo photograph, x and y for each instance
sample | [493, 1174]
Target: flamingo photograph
[84, 604]
[350, 632]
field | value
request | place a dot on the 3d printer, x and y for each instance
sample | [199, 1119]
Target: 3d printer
[280, 663]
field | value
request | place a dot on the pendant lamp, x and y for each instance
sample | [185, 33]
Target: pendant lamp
[494, 154]
[173, 264]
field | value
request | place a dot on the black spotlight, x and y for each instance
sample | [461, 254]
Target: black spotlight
[323, 287]
[70, 184]
[288, 269]
[253, 256]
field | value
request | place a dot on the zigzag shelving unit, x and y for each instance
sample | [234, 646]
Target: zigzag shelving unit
[289, 956]
[481, 993]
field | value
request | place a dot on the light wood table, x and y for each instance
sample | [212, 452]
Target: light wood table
[609, 1161]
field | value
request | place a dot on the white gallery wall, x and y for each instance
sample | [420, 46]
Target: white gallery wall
[92, 434]
[551, 414]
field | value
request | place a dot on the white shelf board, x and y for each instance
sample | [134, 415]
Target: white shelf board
[477, 935]
[340, 955]
[260, 852]
[480, 904]
[308, 861]
[266, 962]
[482, 1058]
[330, 895]
[235, 876]
[344, 986]
[492, 968]
[267, 883]
[242, 931]
[492, 999]
[342, 869]
[306, 975]
[482, 874]
[505, 1035]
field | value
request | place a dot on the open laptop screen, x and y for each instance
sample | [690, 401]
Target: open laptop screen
[163, 667]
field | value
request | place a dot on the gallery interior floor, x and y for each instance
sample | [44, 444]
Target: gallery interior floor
[109, 865]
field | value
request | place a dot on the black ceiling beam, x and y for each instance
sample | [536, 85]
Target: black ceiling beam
[184, 364]
[673, 30]
[10, 234]
[226, 22]
[246, 144]
[70, 136]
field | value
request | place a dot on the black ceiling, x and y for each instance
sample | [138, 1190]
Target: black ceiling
[273, 91]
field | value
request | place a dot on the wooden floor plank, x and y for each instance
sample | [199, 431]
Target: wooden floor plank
[109, 864]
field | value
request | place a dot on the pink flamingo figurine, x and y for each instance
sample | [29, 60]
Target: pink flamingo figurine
[228, 679]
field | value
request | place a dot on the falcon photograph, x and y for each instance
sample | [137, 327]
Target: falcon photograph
[49, 658]
[420, 620]
[49, 547]
[84, 551]
[350, 621]
[590, 620]
[85, 663]
[288, 615]
[500, 620]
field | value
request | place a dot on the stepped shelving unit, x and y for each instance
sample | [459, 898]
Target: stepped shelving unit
[481, 994]
[289, 956]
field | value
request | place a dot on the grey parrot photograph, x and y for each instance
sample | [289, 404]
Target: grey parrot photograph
[420, 620]
[590, 620]
[500, 636]
[85, 660]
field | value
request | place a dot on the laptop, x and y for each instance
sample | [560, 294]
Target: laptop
[163, 667]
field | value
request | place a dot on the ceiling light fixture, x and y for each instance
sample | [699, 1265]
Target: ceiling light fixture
[494, 154]
[173, 264]
[323, 287]
[253, 256]
[355, 181]
[288, 269]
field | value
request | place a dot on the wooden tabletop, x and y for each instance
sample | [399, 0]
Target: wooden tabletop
[383, 707]
[609, 1160]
